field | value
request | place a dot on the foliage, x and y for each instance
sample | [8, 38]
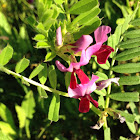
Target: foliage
[28, 51]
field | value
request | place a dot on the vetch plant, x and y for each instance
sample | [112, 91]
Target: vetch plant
[63, 33]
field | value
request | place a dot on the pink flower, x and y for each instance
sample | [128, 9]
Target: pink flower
[82, 90]
[101, 37]
[101, 33]
[82, 43]
[101, 51]
[58, 36]
[106, 83]
[84, 60]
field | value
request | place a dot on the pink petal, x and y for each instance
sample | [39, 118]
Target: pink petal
[103, 53]
[106, 83]
[73, 81]
[82, 43]
[62, 68]
[92, 50]
[78, 92]
[84, 105]
[101, 33]
[83, 89]
[83, 59]
[93, 101]
[91, 86]
[58, 36]
[82, 76]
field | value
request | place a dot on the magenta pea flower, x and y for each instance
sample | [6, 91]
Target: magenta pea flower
[101, 36]
[82, 90]
[82, 43]
[84, 60]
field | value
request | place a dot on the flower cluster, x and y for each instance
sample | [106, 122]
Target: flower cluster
[82, 46]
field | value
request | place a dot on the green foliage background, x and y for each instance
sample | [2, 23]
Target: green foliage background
[24, 108]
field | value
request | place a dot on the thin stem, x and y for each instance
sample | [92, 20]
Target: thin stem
[43, 130]
[95, 110]
[33, 82]
[108, 93]
[66, 8]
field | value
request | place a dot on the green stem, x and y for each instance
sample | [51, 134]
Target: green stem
[66, 8]
[108, 93]
[95, 110]
[33, 82]
[43, 130]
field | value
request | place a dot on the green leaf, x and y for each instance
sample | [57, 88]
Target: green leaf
[125, 97]
[39, 37]
[67, 79]
[107, 135]
[88, 29]
[22, 65]
[40, 26]
[87, 16]
[7, 129]
[6, 115]
[49, 3]
[41, 45]
[40, 9]
[130, 124]
[132, 34]
[36, 71]
[50, 56]
[28, 104]
[31, 21]
[105, 66]
[129, 80]
[128, 19]
[102, 76]
[57, 9]
[101, 101]
[133, 108]
[126, 23]
[6, 55]
[21, 116]
[128, 54]
[5, 28]
[46, 15]
[42, 92]
[112, 42]
[100, 92]
[59, 1]
[128, 117]
[127, 68]
[53, 114]
[52, 76]
[82, 6]
[4, 137]
[118, 33]
[122, 138]
[132, 43]
[135, 22]
[47, 24]
[131, 127]
[42, 76]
